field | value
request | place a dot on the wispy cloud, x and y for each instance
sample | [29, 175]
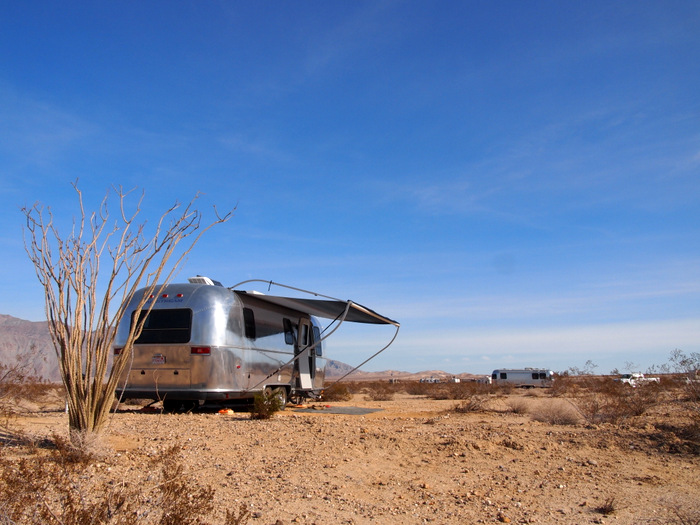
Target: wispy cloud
[38, 133]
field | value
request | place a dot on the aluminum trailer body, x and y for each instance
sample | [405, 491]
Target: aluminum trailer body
[523, 377]
[204, 343]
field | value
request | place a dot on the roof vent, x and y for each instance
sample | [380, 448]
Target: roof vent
[201, 279]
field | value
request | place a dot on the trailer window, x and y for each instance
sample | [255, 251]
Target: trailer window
[288, 331]
[317, 338]
[249, 322]
[304, 335]
[166, 326]
[535, 375]
[543, 375]
[504, 375]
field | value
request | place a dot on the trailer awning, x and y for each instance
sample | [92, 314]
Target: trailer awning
[329, 309]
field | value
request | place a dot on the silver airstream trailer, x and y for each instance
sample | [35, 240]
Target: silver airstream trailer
[203, 343]
[523, 377]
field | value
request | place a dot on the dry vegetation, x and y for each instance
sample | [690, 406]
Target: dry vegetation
[589, 450]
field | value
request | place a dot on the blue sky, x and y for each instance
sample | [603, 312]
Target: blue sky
[517, 183]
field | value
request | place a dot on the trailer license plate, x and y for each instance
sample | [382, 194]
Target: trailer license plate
[158, 359]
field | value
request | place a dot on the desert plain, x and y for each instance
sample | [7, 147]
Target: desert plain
[408, 459]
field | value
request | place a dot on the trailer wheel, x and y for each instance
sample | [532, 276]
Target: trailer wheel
[280, 393]
[177, 406]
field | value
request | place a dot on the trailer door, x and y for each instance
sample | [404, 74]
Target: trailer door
[306, 357]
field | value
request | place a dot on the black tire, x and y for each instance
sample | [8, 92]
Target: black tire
[280, 393]
[173, 406]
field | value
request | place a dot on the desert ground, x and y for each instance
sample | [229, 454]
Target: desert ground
[409, 459]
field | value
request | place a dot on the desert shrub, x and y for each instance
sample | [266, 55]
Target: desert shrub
[519, 405]
[416, 388]
[19, 380]
[556, 412]
[603, 400]
[337, 392]
[504, 389]
[476, 403]
[180, 503]
[564, 385]
[265, 404]
[376, 391]
[48, 490]
[355, 387]
[533, 392]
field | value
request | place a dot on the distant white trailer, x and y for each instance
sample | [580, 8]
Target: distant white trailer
[523, 377]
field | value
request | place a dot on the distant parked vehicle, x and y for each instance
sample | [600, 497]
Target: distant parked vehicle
[523, 377]
[637, 379]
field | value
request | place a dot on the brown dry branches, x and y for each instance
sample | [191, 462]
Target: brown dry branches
[79, 292]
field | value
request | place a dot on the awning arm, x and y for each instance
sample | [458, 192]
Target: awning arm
[272, 283]
[369, 358]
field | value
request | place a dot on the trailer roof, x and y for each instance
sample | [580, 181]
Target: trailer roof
[329, 309]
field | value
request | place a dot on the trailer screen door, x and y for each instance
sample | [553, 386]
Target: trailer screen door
[306, 357]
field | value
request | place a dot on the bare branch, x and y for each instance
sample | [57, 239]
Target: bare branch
[80, 291]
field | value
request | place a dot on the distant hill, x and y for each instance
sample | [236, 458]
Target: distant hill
[31, 339]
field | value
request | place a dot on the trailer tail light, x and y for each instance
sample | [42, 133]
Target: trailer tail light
[200, 350]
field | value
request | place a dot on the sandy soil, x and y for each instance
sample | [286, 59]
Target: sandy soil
[412, 460]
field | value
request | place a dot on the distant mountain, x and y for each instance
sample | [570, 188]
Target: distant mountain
[31, 340]
[337, 369]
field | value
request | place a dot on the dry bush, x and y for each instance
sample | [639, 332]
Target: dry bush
[534, 392]
[556, 412]
[378, 391]
[416, 388]
[20, 381]
[565, 386]
[603, 400]
[41, 490]
[476, 403]
[337, 392]
[519, 405]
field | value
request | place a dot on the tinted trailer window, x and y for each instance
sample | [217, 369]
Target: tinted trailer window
[166, 326]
